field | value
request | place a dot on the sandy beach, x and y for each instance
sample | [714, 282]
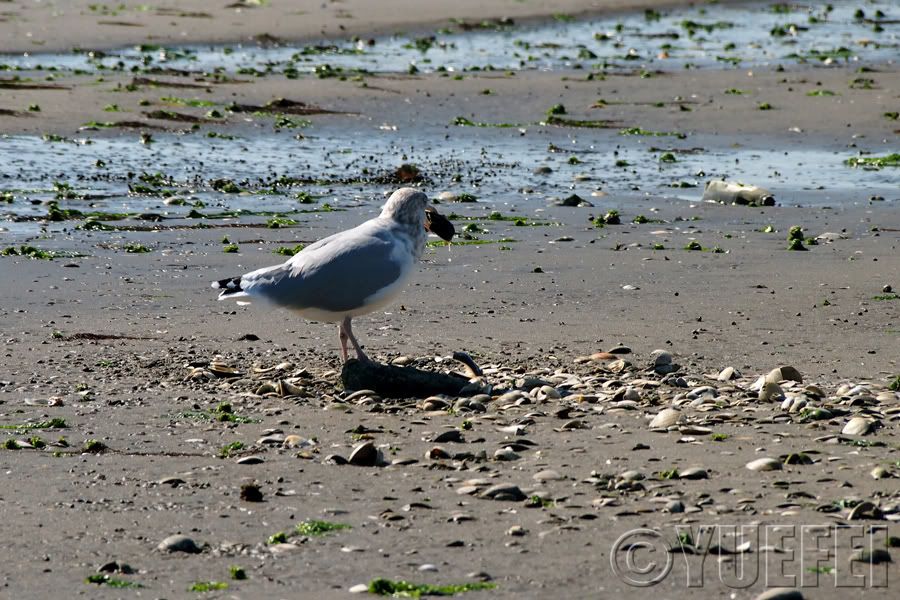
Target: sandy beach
[134, 406]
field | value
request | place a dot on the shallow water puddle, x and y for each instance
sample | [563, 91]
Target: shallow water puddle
[189, 181]
[713, 36]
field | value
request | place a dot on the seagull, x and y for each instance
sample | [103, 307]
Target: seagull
[350, 273]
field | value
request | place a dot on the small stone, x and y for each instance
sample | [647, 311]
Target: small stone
[179, 543]
[764, 464]
[504, 491]
[364, 454]
[506, 454]
[359, 588]
[661, 357]
[172, 481]
[428, 568]
[675, 506]
[780, 594]
[250, 460]
[693, 473]
[250, 492]
[875, 556]
[451, 435]
[547, 475]
[517, 531]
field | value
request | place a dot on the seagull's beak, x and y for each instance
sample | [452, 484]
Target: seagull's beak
[438, 224]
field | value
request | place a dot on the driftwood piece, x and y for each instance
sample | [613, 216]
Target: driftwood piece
[389, 381]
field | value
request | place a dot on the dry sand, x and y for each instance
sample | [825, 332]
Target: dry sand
[754, 308]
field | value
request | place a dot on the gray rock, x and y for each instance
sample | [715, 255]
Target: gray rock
[780, 594]
[504, 491]
[179, 543]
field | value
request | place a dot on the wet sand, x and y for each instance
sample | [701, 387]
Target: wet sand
[557, 295]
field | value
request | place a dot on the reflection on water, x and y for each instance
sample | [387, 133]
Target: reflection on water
[179, 174]
[714, 36]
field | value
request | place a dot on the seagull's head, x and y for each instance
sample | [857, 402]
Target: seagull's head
[410, 206]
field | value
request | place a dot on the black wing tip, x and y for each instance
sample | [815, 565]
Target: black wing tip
[230, 285]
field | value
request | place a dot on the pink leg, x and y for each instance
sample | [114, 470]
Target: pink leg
[343, 337]
[360, 355]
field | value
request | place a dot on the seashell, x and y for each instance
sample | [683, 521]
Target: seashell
[881, 473]
[865, 510]
[764, 464]
[549, 392]
[222, 370]
[729, 192]
[771, 391]
[728, 373]
[283, 366]
[858, 426]
[266, 388]
[786, 373]
[364, 454]
[286, 388]
[55, 401]
[199, 374]
[665, 418]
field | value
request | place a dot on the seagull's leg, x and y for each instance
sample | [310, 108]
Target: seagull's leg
[349, 331]
[342, 335]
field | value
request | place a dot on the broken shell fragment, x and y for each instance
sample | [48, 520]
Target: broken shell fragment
[729, 192]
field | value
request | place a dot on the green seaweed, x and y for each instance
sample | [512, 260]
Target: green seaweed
[405, 589]
[137, 249]
[230, 449]
[94, 447]
[208, 586]
[188, 102]
[29, 251]
[100, 579]
[315, 528]
[464, 122]
[277, 538]
[874, 162]
[55, 423]
[279, 222]
[563, 122]
[647, 132]
[285, 251]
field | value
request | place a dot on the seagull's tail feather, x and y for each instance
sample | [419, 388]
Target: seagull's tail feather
[231, 288]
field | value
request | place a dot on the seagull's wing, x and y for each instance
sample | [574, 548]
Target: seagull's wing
[337, 274]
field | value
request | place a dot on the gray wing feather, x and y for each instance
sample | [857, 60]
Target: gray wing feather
[336, 274]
